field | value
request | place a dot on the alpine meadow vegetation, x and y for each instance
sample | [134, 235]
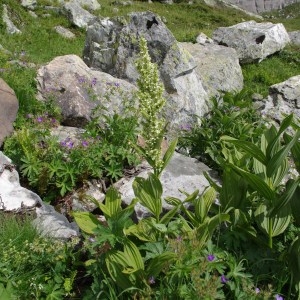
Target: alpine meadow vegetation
[240, 240]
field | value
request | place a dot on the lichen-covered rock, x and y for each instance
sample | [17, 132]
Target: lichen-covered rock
[112, 46]
[295, 37]
[284, 98]
[79, 89]
[182, 173]
[77, 15]
[9, 106]
[253, 41]
[259, 6]
[218, 67]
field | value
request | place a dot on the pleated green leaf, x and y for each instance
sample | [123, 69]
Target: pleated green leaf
[86, 221]
[275, 225]
[249, 147]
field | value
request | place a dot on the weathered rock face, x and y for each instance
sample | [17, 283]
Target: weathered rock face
[259, 6]
[77, 15]
[253, 41]
[218, 67]
[10, 26]
[78, 89]
[182, 173]
[284, 98]
[9, 106]
[295, 37]
[112, 46]
[14, 198]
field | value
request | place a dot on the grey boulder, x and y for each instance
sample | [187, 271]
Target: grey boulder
[77, 89]
[218, 67]
[112, 46]
[182, 173]
[253, 41]
[9, 107]
[283, 99]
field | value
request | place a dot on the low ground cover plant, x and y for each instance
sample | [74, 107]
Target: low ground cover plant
[33, 267]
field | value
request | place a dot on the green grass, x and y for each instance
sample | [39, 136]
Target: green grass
[16, 228]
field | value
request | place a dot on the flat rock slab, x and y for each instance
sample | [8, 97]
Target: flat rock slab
[218, 67]
[253, 41]
[284, 98]
[182, 173]
[9, 106]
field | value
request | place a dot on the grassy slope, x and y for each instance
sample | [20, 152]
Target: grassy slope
[41, 43]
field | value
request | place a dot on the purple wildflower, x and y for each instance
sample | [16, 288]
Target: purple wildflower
[94, 81]
[151, 280]
[210, 257]
[224, 279]
[257, 290]
[23, 53]
[81, 79]
[117, 84]
[70, 144]
[39, 119]
[84, 143]
[278, 297]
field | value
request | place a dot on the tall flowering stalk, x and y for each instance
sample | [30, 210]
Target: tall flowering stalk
[151, 102]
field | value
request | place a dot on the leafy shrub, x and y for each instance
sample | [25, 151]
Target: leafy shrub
[52, 167]
[234, 116]
[33, 267]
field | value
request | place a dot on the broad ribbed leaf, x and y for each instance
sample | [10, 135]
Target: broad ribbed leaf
[277, 159]
[112, 204]
[274, 142]
[133, 257]
[169, 153]
[159, 262]
[148, 192]
[217, 220]
[286, 197]
[203, 204]
[234, 188]
[115, 263]
[256, 183]
[86, 221]
[275, 225]
[249, 147]
[295, 151]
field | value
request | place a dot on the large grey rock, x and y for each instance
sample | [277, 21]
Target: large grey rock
[9, 106]
[182, 173]
[259, 6]
[295, 37]
[284, 98]
[112, 45]
[77, 15]
[218, 67]
[64, 32]
[14, 198]
[90, 4]
[31, 4]
[10, 26]
[253, 41]
[77, 89]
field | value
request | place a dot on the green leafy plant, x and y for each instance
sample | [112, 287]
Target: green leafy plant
[33, 267]
[233, 116]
